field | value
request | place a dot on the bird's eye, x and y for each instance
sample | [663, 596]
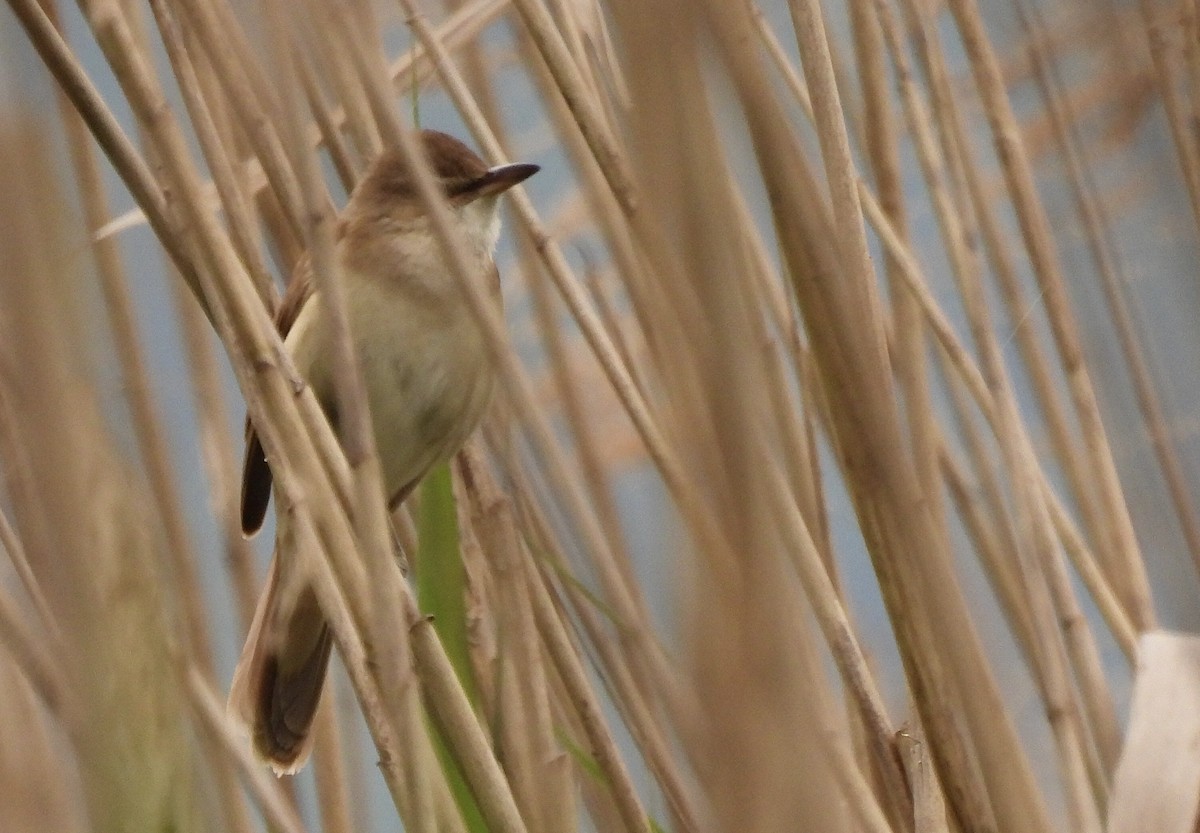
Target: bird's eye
[457, 187]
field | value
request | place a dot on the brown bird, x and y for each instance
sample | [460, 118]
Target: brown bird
[428, 381]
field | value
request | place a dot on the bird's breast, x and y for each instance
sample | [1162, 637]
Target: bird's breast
[427, 374]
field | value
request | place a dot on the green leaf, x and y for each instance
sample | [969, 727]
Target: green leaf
[582, 757]
[441, 576]
[442, 595]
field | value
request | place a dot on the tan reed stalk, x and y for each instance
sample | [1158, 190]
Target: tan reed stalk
[630, 268]
[15, 550]
[883, 490]
[586, 705]
[216, 444]
[614, 663]
[39, 667]
[237, 210]
[908, 327]
[211, 717]
[588, 123]
[589, 117]
[531, 754]
[19, 483]
[603, 290]
[930, 810]
[1097, 583]
[964, 367]
[817, 573]
[1097, 227]
[100, 120]
[1091, 682]
[250, 97]
[797, 432]
[1162, 60]
[359, 27]
[180, 557]
[331, 776]
[1190, 23]
[180, 566]
[38, 793]
[736, 593]
[99, 570]
[993, 544]
[846, 652]
[580, 421]
[331, 137]
[1085, 564]
[907, 268]
[322, 37]
[1127, 571]
[860, 801]
[957, 149]
[828, 116]
[217, 451]
[1035, 550]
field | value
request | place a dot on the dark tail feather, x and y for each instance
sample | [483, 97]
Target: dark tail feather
[278, 681]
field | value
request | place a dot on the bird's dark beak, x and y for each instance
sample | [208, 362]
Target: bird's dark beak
[499, 179]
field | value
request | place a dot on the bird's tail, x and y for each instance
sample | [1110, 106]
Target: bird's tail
[278, 681]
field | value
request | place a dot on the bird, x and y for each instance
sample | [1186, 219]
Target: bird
[428, 380]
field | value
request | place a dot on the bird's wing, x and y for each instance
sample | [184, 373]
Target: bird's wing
[256, 472]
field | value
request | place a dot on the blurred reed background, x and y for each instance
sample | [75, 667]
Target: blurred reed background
[846, 442]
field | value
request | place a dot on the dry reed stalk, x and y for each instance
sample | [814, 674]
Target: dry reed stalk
[278, 812]
[233, 201]
[323, 37]
[39, 793]
[148, 423]
[1098, 228]
[217, 451]
[528, 747]
[1162, 49]
[108, 133]
[181, 566]
[642, 721]
[740, 677]
[907, 323]
[331, 136]
[1122, 553]
[957, 149]
[42, 673]
[1035, 540]
[99, 572]
[251, 99]
[334, 784]
[812, 270]
[15, 551]
[930, 813]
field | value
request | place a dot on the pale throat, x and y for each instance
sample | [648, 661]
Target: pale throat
[481, 223]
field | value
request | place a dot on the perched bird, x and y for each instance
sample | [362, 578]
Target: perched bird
[428, 380]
